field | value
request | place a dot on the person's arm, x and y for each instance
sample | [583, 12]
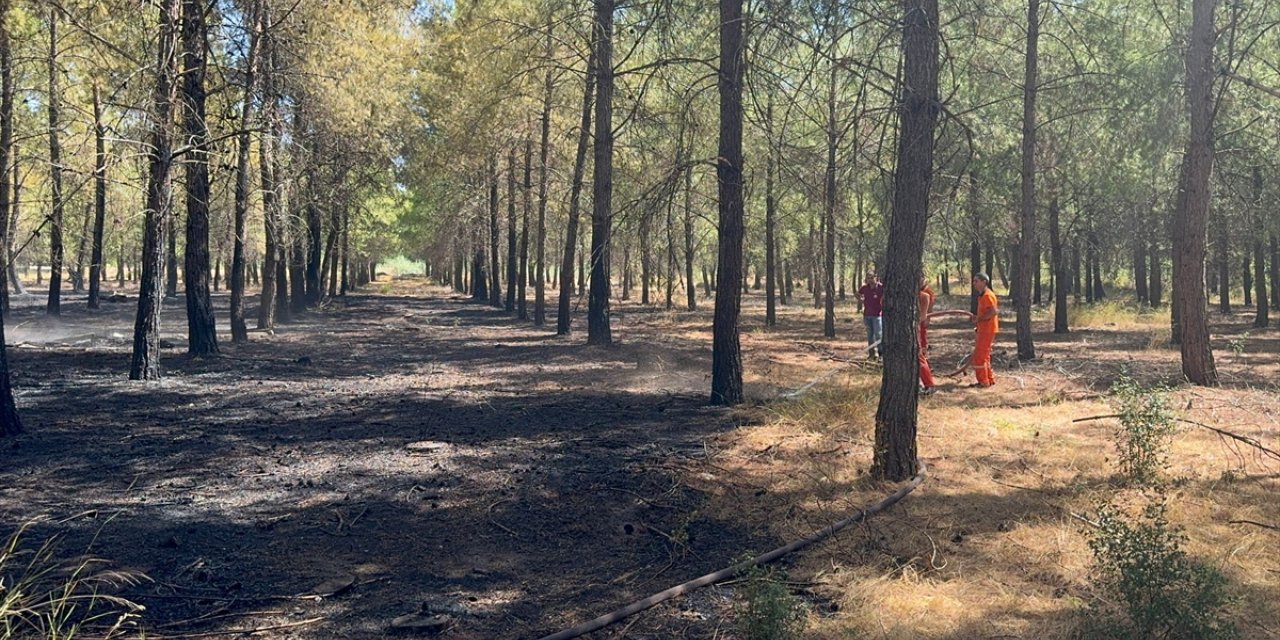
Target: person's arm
[925, 303]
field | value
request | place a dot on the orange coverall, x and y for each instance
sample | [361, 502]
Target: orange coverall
[987, 330]
[926, 374]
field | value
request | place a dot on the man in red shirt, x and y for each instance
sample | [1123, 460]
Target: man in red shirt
[871, 298]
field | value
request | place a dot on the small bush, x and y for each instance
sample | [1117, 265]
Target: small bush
[42, 596]
[1151, 587]
[768, 610]
[1146, 426]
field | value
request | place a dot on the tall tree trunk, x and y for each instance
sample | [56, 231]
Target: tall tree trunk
[540, 252]
[1190, 225]
[829, 215]
[726, 352]
[646, 254]
[1037, 263]
[787, 282]
[479, 277]
[145, 364]
[54, 107]
[1140, 259]
[599, 330]
[671, 250]
[171, 258]
[495, 235]
[15, 201]
[346, 251]
[1095, 256]
[564, 319]
[1261, 317]
[329, 271]
[522, 304]
[513, 260]
[271, 201]
[1275, 269]
[10, 422]
[1076, 288]
[770, 223]
[1247, 276]
[8, 181]
[894, 455]
[975, 267]
[202, 336]
[626, 270]
[298, 262]
[309, 244]
[1059, 265]
[239, 330]
[1222, 253]
[1155, 290]
[1027, 237]
[99, 200]
[691, 287]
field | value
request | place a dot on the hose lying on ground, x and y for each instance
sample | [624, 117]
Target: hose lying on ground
[732, 571]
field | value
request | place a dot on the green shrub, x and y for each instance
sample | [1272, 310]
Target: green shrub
[42, 596]
[1146, 427]
[1151, 588]
[768, 610]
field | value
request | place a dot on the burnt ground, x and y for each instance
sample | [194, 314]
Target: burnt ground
[406, 451]
[415, 454]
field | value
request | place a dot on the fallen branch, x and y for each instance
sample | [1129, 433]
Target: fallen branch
[1256, 524]
[1252, 442]
[235, 632]
[735, 570]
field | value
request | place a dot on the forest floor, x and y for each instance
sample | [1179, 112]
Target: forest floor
[407, 454]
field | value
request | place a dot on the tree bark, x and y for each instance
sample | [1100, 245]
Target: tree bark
[145, 364]
[1275, 271]
[1261, 317]
[1222, 260]
[1190, 222]
[691, 287]
[54, 107]
[239, 329]
[1246, 273]
[273, 255]
[540, 252]
[99, 200]
[829, 215]
[1027, 237]
[975, 267]
[1058, 261]
[1155, 291]
[1140, 259]
[522, 300]
[202, 336]
[564, 319]
[726, 352]
[894, 455]
[10, 422]
[513, 261]
[770, 223]
[495, 235]
[599, 330]
[8, 179]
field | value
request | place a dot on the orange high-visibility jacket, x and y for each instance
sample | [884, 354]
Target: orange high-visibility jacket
[988, 302]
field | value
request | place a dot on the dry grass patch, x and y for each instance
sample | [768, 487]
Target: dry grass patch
[993, 545]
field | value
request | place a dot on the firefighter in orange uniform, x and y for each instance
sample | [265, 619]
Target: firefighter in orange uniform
[987, 322]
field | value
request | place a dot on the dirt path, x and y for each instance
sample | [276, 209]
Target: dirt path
[441, 457]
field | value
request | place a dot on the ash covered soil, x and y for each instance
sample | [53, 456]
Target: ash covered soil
[409, 459]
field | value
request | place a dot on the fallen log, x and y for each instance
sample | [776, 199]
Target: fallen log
[735, 570]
